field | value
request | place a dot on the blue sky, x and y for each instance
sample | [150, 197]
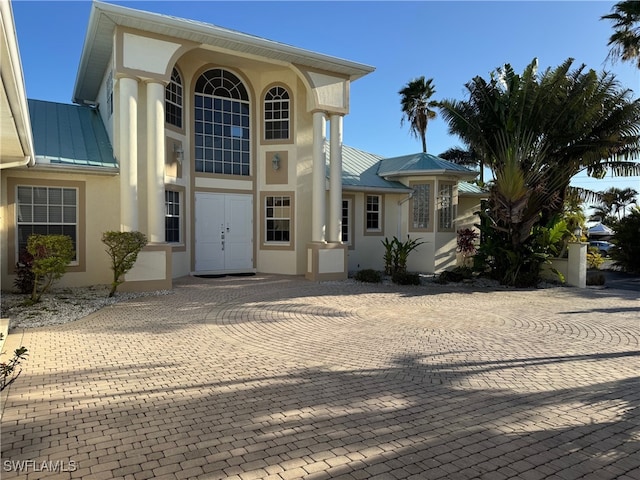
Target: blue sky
[450, 41]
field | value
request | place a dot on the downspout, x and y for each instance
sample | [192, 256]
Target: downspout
[400, 203]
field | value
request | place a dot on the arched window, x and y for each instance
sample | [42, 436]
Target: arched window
[173, 100]
[222, 124]
[276, 114]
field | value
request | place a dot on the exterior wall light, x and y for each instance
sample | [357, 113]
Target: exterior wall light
[179, 152]
[275, 161]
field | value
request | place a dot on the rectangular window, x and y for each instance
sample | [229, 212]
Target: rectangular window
[172, 216]
[373, 213]
[445, 207]
[46, 211]
[278, 219]
[421, 206]
[346, 221]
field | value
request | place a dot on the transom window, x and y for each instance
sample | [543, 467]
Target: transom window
[445, 207]
[373, 223]
[276, 114]
[222, 124]
[46, 211]
[421, 205]
[173, 100]
[172, 216]
[278, 219]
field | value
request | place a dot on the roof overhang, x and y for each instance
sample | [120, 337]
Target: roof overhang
[42, 165]
[359, 188]
[410, 173]
[16, 138]
[105, 17]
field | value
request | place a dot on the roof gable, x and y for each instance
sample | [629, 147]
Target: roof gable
[105, 17]
[69, 135]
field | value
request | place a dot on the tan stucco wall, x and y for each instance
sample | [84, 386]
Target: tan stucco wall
[101, 213]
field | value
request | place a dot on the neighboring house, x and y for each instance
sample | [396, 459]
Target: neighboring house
[214, 144]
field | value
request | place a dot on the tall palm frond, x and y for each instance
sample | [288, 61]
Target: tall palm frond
[624, 43]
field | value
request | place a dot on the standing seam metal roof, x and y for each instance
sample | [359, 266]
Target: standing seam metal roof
[69, 135]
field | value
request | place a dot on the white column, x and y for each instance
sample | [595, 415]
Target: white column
[155, 161]
[318, 199]
[335, 180]
[128, 129]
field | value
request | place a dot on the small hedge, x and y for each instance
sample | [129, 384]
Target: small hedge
[368, 275]
[405, 278]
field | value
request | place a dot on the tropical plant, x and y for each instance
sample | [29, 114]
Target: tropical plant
[9, 370]
[466, 158]
[417, 108]
[625, 41]
[123, 249]
[594, 258]
[25, 277]
[536, 131]
[563, 120]
[51, 256]
[397, 254]
[466, 240]
[626, 250]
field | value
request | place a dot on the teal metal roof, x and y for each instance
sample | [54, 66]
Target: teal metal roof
[69, 135]
[466, 188]
[421, 164]
[359, 171]
[364, 170]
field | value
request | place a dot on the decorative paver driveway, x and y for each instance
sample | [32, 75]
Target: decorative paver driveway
[280, 378]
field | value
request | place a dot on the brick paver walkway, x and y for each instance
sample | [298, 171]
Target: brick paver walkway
[270, 377]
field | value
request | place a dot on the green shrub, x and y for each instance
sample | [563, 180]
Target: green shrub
[25, 277]
[595, 279]
[123, 248]
[626, 251]
[594, 258]
[402, 277]
[368, 275]
[458, 274]
[51, 256]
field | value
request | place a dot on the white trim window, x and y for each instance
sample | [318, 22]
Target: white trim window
[46, 211]
[172, 233]
[421, 205]
[373, 220]
[278, 219]
[445, 204]
[173, 100]
[276, 114]
[222, 124]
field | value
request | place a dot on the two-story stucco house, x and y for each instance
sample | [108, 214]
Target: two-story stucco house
[226, 150]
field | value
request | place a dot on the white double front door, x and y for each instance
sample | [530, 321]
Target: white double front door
[224, 232]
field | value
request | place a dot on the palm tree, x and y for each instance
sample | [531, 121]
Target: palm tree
[466, 158]
[536, 131]
[623, 199]
[625, 41]
[569, 120]
[417, 108]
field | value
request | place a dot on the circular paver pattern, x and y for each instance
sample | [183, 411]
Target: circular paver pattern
[279, 378]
